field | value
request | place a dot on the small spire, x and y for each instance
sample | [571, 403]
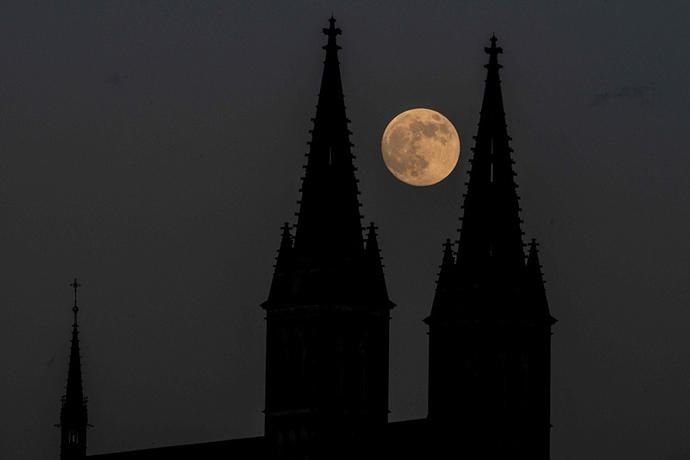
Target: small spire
[279, 284]
[73, 414]
[535, 283]
[373, 253]
[285, 249]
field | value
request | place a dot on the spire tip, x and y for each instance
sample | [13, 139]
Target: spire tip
[332, 30]
[493, 50]
[75, 309]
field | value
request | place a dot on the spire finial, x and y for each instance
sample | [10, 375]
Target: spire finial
[75, 309]
[332, 30]
[493, 50]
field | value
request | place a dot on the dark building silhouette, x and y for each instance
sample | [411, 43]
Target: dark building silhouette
[490, 327]
[73, 415]
[327, 317]
[327, 312]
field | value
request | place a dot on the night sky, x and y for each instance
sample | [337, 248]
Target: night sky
[153, 149]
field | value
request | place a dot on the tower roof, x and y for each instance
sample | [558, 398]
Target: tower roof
[73, 402]
[490, 245]
[487, 273]
[74, 384]
[329, 222]
[326, 261]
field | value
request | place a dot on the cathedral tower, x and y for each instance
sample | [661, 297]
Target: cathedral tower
[328, 309]
[490, 327]
[73, 415]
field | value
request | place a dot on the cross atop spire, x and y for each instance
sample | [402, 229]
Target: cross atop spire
[75, 309]
[493, 50]
[332, 30]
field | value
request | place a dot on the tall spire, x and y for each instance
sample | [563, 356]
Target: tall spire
[491, 239]
[489, 328]
[326, 260]
[74, 383]
[329, 222]
[73, 414]
[327, 313]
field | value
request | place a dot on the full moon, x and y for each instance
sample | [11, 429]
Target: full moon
[420, 147]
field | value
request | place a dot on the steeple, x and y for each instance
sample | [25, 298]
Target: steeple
[329, 222]
[534, 281]
[490, 250]
[325, 260]
[489, 328]
[327, 313]
[73, 414]
[491, 237]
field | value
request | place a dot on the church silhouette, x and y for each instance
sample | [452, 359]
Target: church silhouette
[328, 312]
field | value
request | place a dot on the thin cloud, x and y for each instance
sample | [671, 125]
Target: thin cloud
[633, 93]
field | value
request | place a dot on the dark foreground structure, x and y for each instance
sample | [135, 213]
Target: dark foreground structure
[328, 317]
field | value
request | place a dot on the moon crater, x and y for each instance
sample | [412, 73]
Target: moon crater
[420, 147]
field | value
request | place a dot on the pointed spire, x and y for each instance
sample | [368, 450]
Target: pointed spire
[329, 222]
[280, 282]
[75, 309]
[73, 414]
[373, 256]
[444, 282]
[285, 249]
[535, 284]
[329, 262]
[74, 383]
[491, 237]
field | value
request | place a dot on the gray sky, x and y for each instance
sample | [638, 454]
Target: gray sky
[153, 149]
